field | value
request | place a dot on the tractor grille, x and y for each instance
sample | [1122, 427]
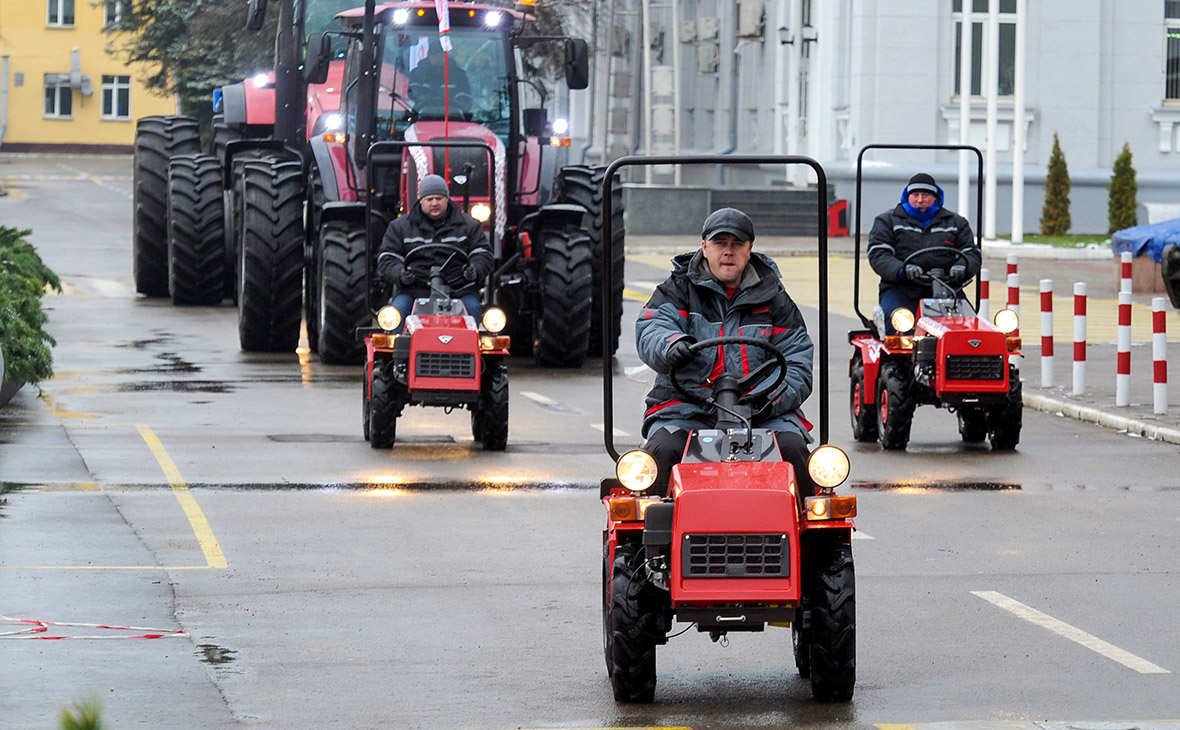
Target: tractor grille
[974, 367]
[736, 556]
[445, 365]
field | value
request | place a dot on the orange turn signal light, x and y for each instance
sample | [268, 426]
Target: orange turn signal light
[381, 340]
[899, 342]
[1013, 344]
[500, 342]
[830, 508]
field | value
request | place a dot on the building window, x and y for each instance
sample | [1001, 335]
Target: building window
[114, 12]
[59, 97]
[1172, 57]
[60, 13]
[116, 97]
[1007, 54]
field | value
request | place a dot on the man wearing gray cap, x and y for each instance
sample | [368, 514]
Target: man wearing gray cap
[434, 219]
[919, 221]
[723, 288]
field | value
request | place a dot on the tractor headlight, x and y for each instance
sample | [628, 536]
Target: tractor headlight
[389, 318]
[828, 467]
[636, 470]
[902, 320]
[481, 212]
[494, 320]
[1006, 321]
[400, 16]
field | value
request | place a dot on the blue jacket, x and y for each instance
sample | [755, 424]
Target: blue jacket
[692, 302]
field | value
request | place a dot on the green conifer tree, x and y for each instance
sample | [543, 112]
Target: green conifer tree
[1055, 220]
[1123, 191]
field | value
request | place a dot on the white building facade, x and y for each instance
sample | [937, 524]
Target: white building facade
[824, 78]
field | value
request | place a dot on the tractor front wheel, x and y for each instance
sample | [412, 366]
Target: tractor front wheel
[895, 408]
[490, 417]
[1005, 421]
[833, 624]
[973, 425]
[635, 622]
[196, 231]
[386, 400]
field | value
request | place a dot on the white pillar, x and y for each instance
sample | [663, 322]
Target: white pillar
[1046, 333]
[1079, 338]
[991, 70]
[1018, 127]
[965, 64]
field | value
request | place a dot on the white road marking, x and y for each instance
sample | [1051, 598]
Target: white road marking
[538, 398]
[1093, 643]
[602, 427]
[858, 535]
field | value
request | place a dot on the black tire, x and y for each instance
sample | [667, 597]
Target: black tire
[607, 642]
[311, 261]
[157, 140]
[582, 185]
[973, 425]
[196, 231]
[223, 134]
[801, 644]
[341, 295]
[895, 408]
[365, 405]
[864, 418]
[493, 407]
[833, 623]
[270, 271]
[562, 323]
[386, 402]
[1004, 422]
[636, 624]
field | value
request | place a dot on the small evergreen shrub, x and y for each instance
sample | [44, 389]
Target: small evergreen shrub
[23, 280]
[1123, 191]
[1055, 220]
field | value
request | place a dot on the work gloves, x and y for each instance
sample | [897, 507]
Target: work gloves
[958, 274]
[469, 272]
[914, 273]
[680, 354]
[407, 277]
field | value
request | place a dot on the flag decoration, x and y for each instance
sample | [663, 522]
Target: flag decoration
[444, 24]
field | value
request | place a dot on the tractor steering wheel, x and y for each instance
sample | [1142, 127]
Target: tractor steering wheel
[778, 365]
[421, 250]
[959, 256]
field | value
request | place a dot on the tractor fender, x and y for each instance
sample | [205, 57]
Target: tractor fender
[553, 215]
[244, 103]
[871, 352]
[348, 211]
[323, 162]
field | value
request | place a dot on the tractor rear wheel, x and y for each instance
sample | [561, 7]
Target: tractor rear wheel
[864, 417]
[270, 270]
[386, 400]
[895, 408]
[582, 185]
[157, 140]
[196, 231]
[833, 624]
[562, 324]
[636, 625]
[1004, 421]
[341, 295]
[973, 425]
[801, 644]
[491, 411]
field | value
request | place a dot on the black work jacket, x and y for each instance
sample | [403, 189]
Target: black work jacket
[454, 228]
[896, 234]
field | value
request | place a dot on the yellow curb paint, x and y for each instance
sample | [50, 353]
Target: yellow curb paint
[213, 555]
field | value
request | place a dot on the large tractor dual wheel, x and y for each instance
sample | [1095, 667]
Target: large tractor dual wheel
[157, 140]
[196, 232]
[270, 260]
[582, 185]
[340, 295]
[561, 322]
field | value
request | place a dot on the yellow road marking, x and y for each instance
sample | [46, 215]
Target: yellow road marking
[213, 555]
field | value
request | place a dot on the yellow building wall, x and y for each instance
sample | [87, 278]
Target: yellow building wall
[35, 48]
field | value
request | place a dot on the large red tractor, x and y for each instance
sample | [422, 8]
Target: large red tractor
[943, 355]
[734, 546]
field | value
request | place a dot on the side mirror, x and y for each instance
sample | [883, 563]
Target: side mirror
[255, 15]
[577, 64]
[535, 122]
[319, 55]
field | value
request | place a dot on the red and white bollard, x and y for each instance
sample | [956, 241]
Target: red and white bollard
[1046, 333]
[1122, 378]
[1014, 293]
[1125, 269]
[1159, 356]
[985, 293]
[1079, 337]
[1012, 263]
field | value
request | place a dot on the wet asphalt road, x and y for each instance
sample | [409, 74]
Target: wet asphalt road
[165, 480]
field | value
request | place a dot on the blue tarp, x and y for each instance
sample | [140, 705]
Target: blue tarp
[1148, 240]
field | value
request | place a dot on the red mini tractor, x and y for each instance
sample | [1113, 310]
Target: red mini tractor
[943, 355]
[733, 546]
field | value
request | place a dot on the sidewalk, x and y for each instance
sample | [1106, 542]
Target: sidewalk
[1097, 267]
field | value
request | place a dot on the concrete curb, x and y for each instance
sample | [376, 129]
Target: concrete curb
[1132, 426]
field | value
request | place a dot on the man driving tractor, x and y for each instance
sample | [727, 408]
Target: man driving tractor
[721, 289]
[917, 222]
